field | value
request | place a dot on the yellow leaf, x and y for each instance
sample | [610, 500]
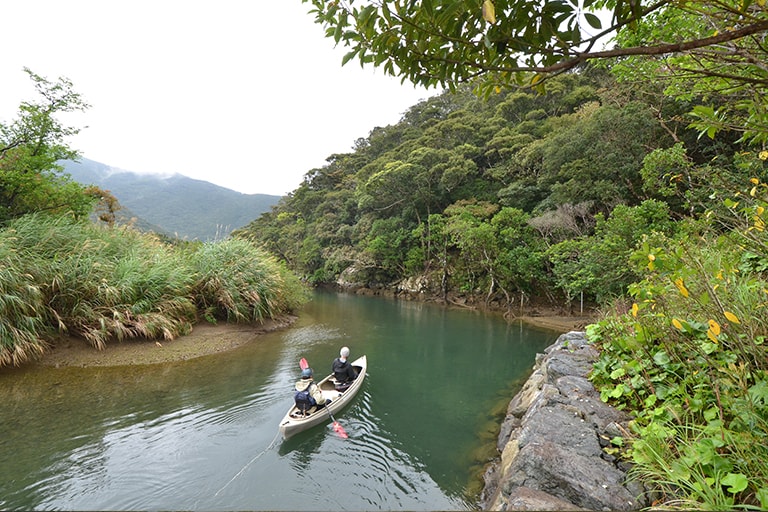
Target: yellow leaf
[760, 210]
[753, 191]
[652, 257]
[712, 336]
[763, 155]
[754, 181]
[635, 308]
[731, 317]
[678, 325]
[681, 287]
[720, 275]
[761, 3]
[714, 327]
[489, 12]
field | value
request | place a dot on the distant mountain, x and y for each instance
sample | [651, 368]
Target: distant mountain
[175, 205]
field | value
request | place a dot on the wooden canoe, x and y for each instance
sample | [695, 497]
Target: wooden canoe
[294, 422]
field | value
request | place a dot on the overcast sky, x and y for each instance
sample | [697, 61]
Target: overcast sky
[246, 94]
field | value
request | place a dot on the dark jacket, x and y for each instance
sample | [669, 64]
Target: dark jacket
[343, 371]
[314, 391]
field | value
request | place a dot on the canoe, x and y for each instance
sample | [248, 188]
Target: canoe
[294, 422]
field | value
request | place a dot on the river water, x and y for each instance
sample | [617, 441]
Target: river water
[202, 434]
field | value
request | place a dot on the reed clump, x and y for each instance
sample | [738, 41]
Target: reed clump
[104, 284]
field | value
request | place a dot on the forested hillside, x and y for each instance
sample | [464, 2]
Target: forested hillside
[520, 196]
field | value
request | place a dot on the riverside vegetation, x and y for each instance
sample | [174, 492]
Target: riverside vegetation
[637, 186]
[62, 273]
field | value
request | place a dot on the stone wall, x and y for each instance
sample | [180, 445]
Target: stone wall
[552, 439]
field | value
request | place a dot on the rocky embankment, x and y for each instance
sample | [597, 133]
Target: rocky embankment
[552, 439]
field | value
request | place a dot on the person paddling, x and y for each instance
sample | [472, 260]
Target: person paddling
[343, 371]
[307, 394]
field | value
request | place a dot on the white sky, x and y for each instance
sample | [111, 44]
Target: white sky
[246, 94]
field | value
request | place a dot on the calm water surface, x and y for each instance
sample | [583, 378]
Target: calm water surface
[202, 434]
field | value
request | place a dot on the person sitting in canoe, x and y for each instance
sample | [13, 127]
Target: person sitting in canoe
[307, 394]
[343, 371]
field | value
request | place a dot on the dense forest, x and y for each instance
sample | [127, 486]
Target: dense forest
[523, 196]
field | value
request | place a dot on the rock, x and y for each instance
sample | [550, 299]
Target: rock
[558, 425]
[586, 481]
[552, 439]
[523, 498]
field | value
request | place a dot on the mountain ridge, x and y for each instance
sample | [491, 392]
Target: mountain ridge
[180, 206]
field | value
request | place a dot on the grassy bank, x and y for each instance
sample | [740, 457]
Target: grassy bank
[103, 284]
[688, 357]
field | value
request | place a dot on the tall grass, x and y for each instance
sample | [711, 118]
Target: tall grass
[112, 284]
[239, 282]
[22, 322]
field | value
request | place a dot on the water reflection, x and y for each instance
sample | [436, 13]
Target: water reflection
[201, 434]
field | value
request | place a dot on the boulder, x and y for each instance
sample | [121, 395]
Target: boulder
[552, 440]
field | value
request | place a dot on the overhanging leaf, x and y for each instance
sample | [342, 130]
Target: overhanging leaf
[593, 20]
[489, 12]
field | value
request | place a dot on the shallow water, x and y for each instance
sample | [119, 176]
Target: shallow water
[202, 434]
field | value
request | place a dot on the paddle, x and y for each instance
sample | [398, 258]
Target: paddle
[303, 364]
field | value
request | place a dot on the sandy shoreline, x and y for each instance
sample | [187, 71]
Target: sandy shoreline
[206, 339]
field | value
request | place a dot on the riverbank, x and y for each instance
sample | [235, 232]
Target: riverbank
[555, 441]
[206, 339]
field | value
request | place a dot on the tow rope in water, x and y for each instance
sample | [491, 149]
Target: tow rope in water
[249, 463]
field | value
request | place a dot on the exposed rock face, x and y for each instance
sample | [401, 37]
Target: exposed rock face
[552, 440]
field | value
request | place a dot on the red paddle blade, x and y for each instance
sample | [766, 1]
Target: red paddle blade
[303, 364]
[339, 430]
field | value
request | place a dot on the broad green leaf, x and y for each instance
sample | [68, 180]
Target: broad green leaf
[762, 496]
[661, 358]
[593, 20]
[348, 57]
[736, 482]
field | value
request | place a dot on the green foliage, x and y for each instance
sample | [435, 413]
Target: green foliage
[420, 198]
[22, 323]
[599, 264]
[595, 157]
[31, 145]
[727, 86]
[517, 42]
[690, 360]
